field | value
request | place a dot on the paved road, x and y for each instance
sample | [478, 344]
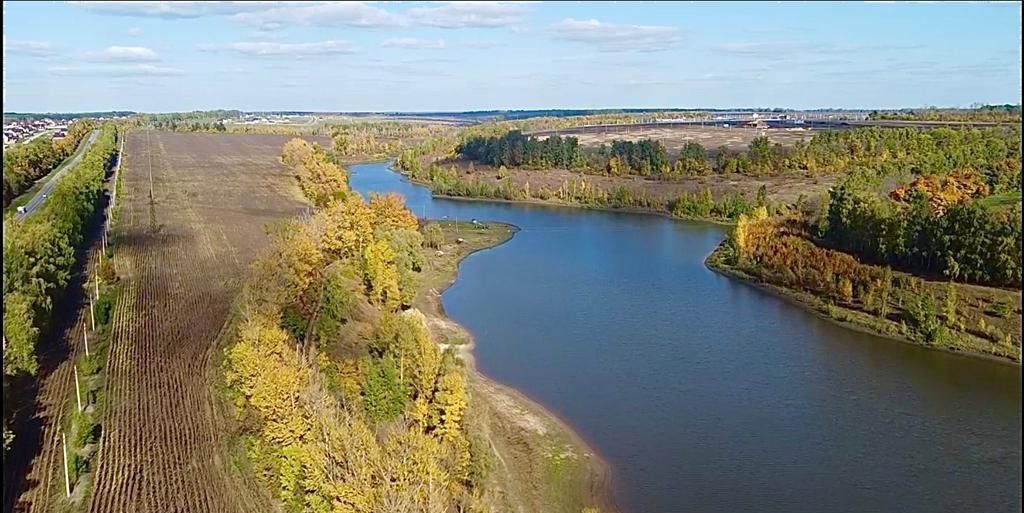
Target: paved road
[39, 134]
[44, 192]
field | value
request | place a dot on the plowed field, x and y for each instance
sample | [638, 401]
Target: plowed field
[181, 256]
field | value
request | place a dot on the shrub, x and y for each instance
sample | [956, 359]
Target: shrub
[925, 320]
[104, 308]
[433, 236]
[1002, 309]
[383, 394]
[293, 323]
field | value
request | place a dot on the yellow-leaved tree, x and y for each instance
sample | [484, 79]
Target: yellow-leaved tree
[348, 227]
[744, 225]
[270, 377]
[322, 181]
[389, 212]
[295, 152]
[448, 409]
[381, 274]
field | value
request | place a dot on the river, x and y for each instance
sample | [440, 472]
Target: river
[707, 395]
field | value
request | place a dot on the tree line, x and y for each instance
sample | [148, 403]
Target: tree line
[40, 254]
[579, 191]
[964, 241]
[27, 162]
[988, 113]
[779, 251]
[517, 150]
[644, 157]
[347, 402]
[994, 153]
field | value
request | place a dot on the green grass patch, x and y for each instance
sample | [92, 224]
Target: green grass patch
[1004, 200]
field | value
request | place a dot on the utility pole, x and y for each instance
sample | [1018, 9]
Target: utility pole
[78, 390]
[85, 335]
[92, 313]
[149, 153]
[67, 479]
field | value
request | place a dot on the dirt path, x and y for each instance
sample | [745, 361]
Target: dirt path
[181, 257]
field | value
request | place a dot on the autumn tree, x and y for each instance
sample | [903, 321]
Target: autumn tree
[381, 274]
[389, 212]
[295, 152]
[322, 181]
[692, 160]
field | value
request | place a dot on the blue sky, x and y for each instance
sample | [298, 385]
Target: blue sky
[388, 56]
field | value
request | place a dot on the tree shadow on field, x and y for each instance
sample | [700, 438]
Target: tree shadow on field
[22, 406]
[146, 240]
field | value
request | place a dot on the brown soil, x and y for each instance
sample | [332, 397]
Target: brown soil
[181, 257]
[673, 137]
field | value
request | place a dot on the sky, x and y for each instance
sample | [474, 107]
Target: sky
[427, 56]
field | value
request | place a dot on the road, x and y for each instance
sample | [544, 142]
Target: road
[39, 134]
[44, 192]
[30, 139]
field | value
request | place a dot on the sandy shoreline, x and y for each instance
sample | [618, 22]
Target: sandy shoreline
[597, 473]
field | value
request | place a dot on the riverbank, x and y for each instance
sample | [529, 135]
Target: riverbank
[539, 463]
[963, 343]
[552, 202]
[982, 337]
[981, 329]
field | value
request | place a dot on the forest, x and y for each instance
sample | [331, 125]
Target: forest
[644, 157]
[964, 241]
[987, 113]
[994, 153]
[348, 402]
[517, 150]
[25, 163]
[195, 121]
[779, 251]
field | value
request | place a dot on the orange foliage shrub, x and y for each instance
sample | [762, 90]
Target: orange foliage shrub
[943, 191]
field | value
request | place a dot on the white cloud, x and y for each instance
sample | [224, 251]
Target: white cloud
[787, 49]
[275, 15]
[124, 54]
[765, 49]
[478, 45]
[116, 70]
[411, 43]
[428, 67]
[270, 49]
[352, 14]
[170, 10]
[33, 48]
[471, 14]
[611, 37]
[135, 32]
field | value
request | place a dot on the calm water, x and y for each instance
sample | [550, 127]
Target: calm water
[705, 394]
